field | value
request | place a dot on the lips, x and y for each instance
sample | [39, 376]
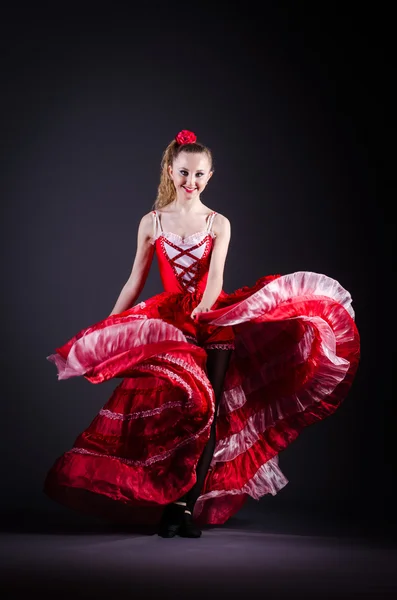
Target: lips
[189, 190]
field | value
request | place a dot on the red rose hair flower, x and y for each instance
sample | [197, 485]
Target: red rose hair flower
[186, 137]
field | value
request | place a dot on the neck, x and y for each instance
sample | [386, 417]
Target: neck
[187, 206]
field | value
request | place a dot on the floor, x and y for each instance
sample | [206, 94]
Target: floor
[277, 556]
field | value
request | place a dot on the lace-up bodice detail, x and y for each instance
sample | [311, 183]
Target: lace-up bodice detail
[183, 262]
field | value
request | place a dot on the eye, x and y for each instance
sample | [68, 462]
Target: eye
[199, 174]
[183, 172]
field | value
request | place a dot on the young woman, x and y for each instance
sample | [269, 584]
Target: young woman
[214, 385]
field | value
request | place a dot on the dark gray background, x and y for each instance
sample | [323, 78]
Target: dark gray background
[294, 105]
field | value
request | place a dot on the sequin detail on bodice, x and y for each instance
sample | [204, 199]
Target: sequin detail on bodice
[183, 262]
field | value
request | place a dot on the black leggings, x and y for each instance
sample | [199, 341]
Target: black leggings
[217, 364]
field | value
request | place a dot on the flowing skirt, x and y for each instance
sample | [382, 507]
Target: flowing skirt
[295, 352]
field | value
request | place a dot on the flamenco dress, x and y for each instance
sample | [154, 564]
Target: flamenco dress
[295, 351]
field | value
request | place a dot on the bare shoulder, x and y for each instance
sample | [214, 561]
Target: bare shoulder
[221, 225]
[146, 222]
[145, 227]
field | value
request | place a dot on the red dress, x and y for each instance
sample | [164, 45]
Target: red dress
[295, 353]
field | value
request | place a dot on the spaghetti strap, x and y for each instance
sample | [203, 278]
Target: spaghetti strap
[156, 225]
[210, 221]
[159, 221]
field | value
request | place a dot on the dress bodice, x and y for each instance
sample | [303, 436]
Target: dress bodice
[183, 262]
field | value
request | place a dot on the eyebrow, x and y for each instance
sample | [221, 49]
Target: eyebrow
[186, 169]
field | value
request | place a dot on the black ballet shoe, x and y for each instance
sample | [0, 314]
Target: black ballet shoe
[171, 520]
[188, 528]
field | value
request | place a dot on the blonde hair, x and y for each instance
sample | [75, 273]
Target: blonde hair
[166, 192]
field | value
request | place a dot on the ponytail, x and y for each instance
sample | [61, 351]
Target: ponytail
[166, 192]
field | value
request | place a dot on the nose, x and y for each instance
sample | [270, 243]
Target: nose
[190, 181]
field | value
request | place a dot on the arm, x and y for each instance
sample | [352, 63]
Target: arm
[140, 269]
[217, 265]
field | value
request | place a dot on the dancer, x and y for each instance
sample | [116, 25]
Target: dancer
[213, 385]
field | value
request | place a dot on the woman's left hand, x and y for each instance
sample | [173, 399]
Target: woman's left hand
[199, 309]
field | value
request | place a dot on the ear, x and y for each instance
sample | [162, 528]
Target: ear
[170, 170]
[210, 174]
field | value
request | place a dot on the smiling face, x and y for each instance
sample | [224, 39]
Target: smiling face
[190, 173]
